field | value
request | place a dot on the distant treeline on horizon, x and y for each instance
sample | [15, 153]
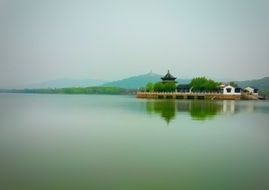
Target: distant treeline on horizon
[73, 90]
[130, 86]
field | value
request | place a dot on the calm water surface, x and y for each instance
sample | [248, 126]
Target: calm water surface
[120, 142]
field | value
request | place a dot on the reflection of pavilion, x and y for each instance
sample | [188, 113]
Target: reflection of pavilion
[199, 110]
[167, 109]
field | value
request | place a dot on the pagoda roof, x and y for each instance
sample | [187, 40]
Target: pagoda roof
[168, 76]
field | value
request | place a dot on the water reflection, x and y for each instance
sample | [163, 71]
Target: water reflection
[167, 109]
[200, 110]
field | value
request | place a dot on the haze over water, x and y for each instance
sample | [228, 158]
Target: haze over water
[120, 142]
[115, 39]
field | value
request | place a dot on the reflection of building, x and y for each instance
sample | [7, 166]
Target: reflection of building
[166, 109]
[228, 107]
[249, 107]
[198, 110]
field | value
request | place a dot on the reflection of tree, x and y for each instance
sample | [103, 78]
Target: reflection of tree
[202, 110]
[199, 110]
[166, 108]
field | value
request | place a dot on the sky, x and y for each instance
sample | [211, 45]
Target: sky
[113, 39]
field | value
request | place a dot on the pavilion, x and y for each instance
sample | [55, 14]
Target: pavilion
[169, 78]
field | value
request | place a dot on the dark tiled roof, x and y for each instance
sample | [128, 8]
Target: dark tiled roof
[254, 87]
[168, 76]
[183, 86]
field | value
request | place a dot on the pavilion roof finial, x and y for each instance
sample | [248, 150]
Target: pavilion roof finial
[168, 77]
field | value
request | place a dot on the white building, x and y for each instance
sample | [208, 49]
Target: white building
[230, 90]
[252, 90]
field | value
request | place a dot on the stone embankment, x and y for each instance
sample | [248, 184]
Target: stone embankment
[192, 95]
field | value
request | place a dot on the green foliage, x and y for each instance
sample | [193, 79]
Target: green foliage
[201, 110]
[264, 92]
[169, 87]
[149, 87]
[77, 90]
[232, 83]
[164, 87]
[159, 87]
[166, 109]
[203, 84]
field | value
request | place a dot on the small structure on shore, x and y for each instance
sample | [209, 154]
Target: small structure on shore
[199, 88]
[251, 90]
[183, 88]
[231, 90]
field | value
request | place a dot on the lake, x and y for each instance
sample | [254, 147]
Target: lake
[123, 143]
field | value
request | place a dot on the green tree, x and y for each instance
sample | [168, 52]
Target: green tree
[232, 83]
[150, 87]
[203, 84]
[169, 87]
[158, 87]
[198, 83]
[211, 85]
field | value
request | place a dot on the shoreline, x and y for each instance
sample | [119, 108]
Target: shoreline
[194, 96]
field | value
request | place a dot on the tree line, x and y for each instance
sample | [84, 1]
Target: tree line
[200, 84]
[75, 90]
[160, 87]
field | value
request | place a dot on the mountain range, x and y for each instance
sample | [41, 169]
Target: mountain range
[134, 82]
[139, 81]
[66, 82]
[262, 83]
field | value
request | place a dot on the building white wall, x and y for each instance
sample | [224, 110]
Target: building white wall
[251, 91]
[225, 90]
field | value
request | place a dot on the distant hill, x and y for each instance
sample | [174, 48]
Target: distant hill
[139, 81]
[73, 90]
[134, 82]
[258, 83]
[65, 82]
[262, 84]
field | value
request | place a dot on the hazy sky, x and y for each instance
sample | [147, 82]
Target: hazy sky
[111, 39]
